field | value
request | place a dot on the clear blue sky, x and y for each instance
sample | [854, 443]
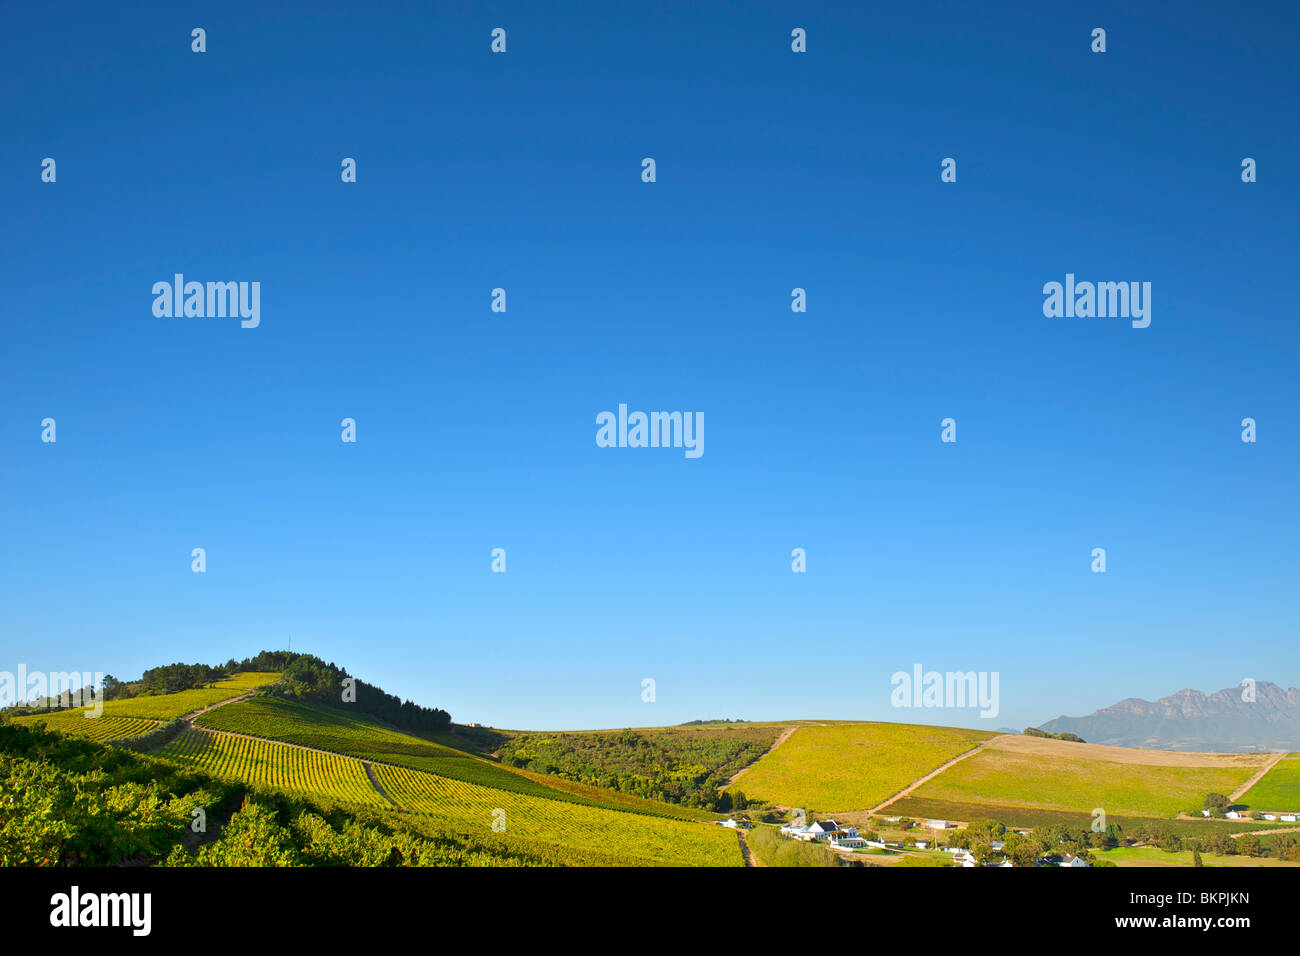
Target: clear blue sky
[477, 430]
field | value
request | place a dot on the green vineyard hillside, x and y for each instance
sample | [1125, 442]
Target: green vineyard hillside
[566, 830]
[268, 764]
[364, 737]
[544, 829]
[1279, 790]
[158, 707]
[102, 728]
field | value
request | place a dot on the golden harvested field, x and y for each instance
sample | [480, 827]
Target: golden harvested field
[848, 766]
[1054, 774]
[1046, 747]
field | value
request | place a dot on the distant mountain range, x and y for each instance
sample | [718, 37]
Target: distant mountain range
[1190, 720]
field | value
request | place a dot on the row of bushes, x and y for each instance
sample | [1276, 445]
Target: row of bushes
[146, 742]
[772, 849]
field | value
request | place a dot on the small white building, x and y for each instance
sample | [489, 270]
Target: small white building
[1071, 860]
[823, 829]
[848, 839]
[1235, 815]
[1269, 816]
[939, 825]
[1289, 817]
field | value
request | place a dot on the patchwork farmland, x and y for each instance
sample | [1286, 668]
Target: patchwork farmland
[543, 829]
[578, 798]
[562, 832]
[355, 734]
[362, 736]
[834, 768]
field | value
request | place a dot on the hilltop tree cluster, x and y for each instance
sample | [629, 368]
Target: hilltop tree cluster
[305, 677]
[1035, 732]
[311, 679]
[173, 678]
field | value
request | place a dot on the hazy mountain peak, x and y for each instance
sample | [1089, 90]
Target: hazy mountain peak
[1189, 719]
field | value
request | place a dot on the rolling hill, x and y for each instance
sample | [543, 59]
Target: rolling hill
[841, 768]
[352, 766]
[288, 776]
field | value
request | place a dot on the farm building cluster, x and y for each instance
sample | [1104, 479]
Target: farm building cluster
[848, 838]
[1288, 817]
[834, 835]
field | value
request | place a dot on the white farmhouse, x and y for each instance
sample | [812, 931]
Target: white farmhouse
[823, 829]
